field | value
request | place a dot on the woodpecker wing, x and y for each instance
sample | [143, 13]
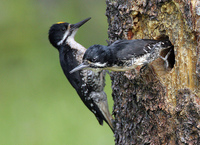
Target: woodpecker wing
[127, 49]
[68, 62]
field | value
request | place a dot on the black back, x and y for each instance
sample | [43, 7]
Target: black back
[126, 49]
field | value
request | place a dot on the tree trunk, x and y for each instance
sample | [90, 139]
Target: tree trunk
[158, 106]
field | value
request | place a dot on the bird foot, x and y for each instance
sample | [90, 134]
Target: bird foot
[165, 59]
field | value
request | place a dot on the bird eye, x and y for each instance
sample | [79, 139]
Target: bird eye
[63, 29]
[94, 59]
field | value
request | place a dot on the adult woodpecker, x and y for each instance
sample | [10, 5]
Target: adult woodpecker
[88, 84]
[123, 55]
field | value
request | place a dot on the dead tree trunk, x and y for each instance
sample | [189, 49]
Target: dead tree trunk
[158, 106]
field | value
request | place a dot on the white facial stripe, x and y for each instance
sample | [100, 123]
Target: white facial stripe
[99, 64]
[64, 36]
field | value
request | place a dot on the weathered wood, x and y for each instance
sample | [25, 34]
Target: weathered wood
[158, 106]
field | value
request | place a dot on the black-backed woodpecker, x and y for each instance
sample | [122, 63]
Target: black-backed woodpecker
[123, 55]
[88, 84]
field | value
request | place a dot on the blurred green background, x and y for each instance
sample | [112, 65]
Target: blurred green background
[37, 104]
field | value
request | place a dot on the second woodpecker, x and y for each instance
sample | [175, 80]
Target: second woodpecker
[124, 55]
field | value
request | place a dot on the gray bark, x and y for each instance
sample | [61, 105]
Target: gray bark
[158, 106]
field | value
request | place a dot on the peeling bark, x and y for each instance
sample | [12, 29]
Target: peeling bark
[158, 106]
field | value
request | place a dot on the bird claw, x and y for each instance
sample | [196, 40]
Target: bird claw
[165, 59]
[143, 68]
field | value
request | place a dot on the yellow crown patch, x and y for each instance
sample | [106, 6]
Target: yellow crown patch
[60, 22]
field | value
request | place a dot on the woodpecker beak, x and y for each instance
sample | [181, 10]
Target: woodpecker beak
[79, 24]
[80, 67]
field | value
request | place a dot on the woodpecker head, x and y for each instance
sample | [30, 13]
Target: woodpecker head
[60, 32]
[96, 58]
